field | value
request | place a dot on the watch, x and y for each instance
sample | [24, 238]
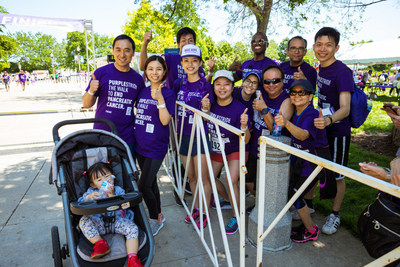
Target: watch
[265, 111]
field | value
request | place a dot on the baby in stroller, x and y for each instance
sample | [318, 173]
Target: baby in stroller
[92, 226]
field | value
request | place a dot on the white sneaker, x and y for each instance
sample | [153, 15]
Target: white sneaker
[155, 226]
[331, 225]
[295, 214]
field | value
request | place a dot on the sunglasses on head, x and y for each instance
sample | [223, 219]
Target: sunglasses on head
[273, 81]
[299, 93]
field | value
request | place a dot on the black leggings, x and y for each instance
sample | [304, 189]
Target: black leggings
[148, 184]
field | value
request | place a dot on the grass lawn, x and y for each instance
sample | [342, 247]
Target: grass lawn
[359, 196]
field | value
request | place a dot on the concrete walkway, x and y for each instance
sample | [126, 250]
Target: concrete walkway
[29, 206]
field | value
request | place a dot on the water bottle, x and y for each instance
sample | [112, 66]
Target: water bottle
[105, 187]
[369, 104]
[257, 114]
[276, 130]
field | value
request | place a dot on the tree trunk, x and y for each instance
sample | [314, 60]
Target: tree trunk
[262, 17]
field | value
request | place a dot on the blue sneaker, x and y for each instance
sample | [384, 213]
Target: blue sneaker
[232, 226]
[225, 205]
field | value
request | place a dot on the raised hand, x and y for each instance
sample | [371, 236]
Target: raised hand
[236, 65]
[211, 64]
[299, 74]
[244, 118]
[259, 104]
[94, 85]
[148, 36]
[205, 103]
[319, 122]
[156, 93]
[280, 120]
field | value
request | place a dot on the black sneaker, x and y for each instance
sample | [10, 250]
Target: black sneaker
[250, 209]
[187, 188]
[298, 229]
[305, 235]
[178, 200]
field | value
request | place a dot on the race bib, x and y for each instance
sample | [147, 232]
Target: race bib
[216, 146]
[149, 128]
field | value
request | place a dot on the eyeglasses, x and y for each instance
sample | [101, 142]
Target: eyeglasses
[258, 41]
[299, 93]
[273, 81]
[297, 49]
[249, 82]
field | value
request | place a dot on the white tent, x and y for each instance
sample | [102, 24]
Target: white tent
[381, 52]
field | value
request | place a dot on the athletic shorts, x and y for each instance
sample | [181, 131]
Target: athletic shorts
[184, 149]
[339, 148]
[233, 156]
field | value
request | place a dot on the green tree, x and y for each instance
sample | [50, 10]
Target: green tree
[7, 45]
[282, 56]
[273, 50]
[33, 50]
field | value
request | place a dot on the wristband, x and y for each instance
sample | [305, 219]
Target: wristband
[90, 93]
[245, 129]
[161, 106]
[330, 118]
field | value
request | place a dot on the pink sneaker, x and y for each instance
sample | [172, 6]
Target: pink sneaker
[204, 221]
[195, 215]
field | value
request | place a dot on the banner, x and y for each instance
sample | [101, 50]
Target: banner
[65, 24]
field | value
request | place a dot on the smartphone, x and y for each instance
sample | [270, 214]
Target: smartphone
[391, 108]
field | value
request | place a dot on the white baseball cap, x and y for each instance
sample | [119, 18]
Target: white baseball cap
[224, 74]
[190, 50]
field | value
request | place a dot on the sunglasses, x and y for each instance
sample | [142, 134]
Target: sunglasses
[258, 41]
[299, 93]
[273, 81]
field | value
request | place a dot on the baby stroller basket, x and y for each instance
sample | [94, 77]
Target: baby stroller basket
[72, 156]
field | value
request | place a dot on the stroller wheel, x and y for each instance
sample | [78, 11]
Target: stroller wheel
[55, 240]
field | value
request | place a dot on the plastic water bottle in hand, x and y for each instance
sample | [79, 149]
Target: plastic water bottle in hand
[257, 115]
[105, 188]
[369, 104]
[276, 130]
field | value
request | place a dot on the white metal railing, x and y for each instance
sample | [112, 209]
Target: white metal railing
[321, 163]
[171, 164]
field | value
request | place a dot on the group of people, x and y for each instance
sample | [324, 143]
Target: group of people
[270, 98]
[22, 78]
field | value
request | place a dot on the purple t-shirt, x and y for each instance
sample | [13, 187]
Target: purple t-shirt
[117, 94]
[309, 72]
[258, 127]
[331, 81]
[151, 136]
[317, 138]
[191, 94]
[229, 114]
[175, 69]
[259, 66]
[6, 78]
[22, 77]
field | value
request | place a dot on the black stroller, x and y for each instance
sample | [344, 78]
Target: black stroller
[71, 157]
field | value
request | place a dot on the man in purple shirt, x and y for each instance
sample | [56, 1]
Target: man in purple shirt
[175, 71]
[335, 85]
[22, 79]
[116, 86]
[259, 44]
[296, 68]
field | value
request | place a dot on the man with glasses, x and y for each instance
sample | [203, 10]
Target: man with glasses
[259, 44]
[272, 100]
[296, 68]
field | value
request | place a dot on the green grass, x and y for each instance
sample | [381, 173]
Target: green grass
[357, 196]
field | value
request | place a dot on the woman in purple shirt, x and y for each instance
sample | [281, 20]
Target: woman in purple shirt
[232, 112]
[306, 137]
[155, 105]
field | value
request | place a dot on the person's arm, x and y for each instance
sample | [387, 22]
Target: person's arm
[297, 132]
[340, 114]
[148, 36]
[210, 64]
[259, 105]
[163, 113]
[374, 170]
[235, 66]
[89, 99]
[244, 125]
[395, 171]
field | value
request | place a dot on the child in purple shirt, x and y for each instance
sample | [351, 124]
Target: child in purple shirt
[306, 137]
[155, 105]
[231, 111]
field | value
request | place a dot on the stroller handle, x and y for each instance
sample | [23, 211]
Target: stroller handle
[56, 136]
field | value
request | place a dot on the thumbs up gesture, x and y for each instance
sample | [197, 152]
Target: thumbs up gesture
[299, 74]
[236, 65]
[244, 118]
[156, 94]
[259, 104]
[94, 85]
[210, 64]
[205, 103]
[148, 36]
[280, 120]
[319, 122]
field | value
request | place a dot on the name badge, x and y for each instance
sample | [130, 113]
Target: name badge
[149, 128]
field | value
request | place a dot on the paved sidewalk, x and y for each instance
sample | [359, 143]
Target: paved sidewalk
[29, 206]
